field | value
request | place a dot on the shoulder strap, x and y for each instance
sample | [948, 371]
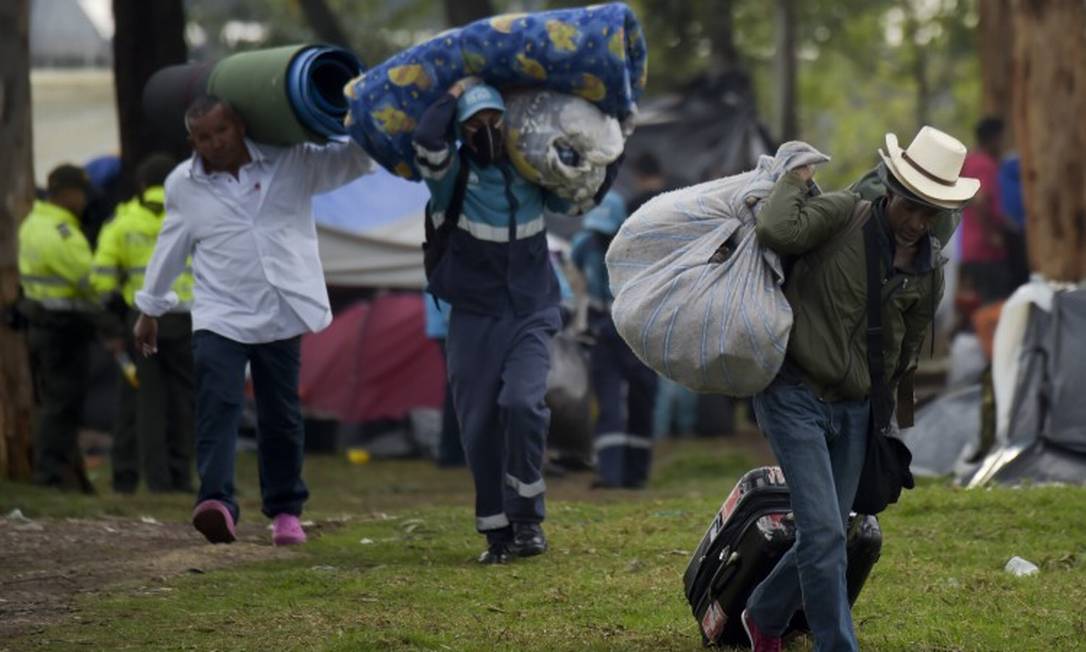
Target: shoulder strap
[456, 204]
[880, 392]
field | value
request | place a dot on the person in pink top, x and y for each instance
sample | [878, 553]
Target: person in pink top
[984, 226]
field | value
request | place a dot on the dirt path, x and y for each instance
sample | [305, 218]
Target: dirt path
[47, 564]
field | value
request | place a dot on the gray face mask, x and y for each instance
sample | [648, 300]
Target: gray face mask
[487, 145]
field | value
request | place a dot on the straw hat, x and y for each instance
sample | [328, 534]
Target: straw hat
[930, 168]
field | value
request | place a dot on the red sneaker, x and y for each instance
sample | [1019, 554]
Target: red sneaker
[759, 642]
[214, 521]
[287, 530]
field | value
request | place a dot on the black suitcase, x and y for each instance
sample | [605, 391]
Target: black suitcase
[749, 534]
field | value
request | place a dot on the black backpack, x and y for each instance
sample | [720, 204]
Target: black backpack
[437, 238]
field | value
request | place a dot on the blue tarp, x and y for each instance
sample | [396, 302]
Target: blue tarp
[370, 201]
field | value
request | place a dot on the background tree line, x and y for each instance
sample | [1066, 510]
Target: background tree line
[838, 73]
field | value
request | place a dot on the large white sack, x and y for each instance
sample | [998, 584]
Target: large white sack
[561, 142]
[713, 327]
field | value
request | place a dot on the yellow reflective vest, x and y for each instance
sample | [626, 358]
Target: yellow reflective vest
[125, 246]
[55, 259]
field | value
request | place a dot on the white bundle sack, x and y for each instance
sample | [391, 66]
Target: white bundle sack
[697, 298]
[561, 142]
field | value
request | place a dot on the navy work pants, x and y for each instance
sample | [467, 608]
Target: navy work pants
[498, 373]
[626, 392]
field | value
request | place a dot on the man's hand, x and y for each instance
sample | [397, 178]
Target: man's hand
[146, 333]
[805, 172]
[464, 85]
[115, 345]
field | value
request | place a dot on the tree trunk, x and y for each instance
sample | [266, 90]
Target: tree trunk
[17, 194]
[148, 36]
[324, 23]
[1049, 105]
[918, 65]
[462, 12]
[787, 111]
[720, 28]
[996, 39]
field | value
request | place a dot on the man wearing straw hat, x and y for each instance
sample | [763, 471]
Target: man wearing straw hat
[818, 411]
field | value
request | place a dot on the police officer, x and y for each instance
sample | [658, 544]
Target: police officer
[161, 439]
[624, 427]
[496, 274]
[54, 268]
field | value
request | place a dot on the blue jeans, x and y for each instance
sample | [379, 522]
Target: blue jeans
[220, 396]
[820, 447]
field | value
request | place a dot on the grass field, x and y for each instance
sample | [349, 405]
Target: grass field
[391, 567]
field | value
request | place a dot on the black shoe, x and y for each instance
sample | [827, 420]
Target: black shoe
[496, 553]
[528, 540]
[600, 484]
[552, 470]
[126, 482]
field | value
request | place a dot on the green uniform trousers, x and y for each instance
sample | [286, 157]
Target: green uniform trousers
[165, 403]
[59, 357]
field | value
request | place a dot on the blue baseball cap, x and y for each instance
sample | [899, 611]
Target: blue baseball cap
[608, 216]
[476, 99]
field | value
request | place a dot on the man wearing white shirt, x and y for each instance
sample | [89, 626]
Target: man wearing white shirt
[242, 211]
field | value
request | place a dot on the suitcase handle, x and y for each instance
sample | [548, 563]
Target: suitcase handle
[729, 566]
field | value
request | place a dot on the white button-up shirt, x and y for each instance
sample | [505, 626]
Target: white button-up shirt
[253, 242]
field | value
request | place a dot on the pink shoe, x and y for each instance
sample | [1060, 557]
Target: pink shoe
[287, 530]
[759, 641]
[213, 520]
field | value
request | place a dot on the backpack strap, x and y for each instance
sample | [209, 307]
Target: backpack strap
[456, 204]
[881, 402]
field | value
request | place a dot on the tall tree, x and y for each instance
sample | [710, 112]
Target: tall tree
[718, 18]
[147, 36]
[995, 43]
[918, 63]
[1049, 105]
[787, 111]
[324, 22]
[16, 196]
[462, 12]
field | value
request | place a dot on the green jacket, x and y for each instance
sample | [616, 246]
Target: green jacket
[54, 259]
[125, 246]
[827, 289]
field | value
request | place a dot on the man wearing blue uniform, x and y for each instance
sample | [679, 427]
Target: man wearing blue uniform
[623, 431]
[496, 274]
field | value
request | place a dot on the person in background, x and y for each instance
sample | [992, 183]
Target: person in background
[54, 272]
[497, 276]
[985, 256]
[648, 181]
[623, 442]
[1010, 199]
[450, 452]
[158, 437]
[243, 213]
[676, 411]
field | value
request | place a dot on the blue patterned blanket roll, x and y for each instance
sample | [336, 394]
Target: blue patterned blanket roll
[595, 52]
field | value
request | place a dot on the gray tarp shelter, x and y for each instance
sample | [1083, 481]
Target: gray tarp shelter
[1040, 372]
